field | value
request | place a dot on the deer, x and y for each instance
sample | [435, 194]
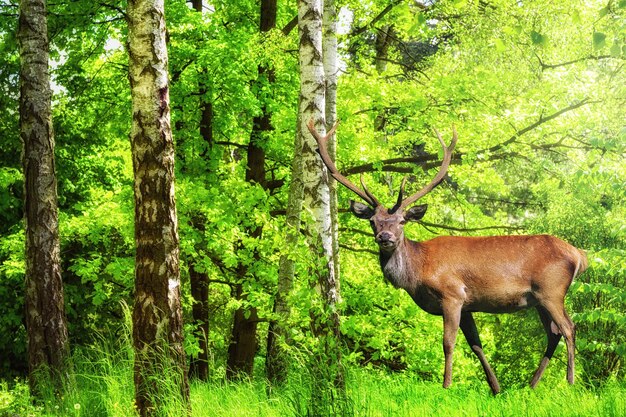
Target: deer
[456, 276]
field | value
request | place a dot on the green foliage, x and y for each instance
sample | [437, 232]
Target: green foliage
[535, 90]
[600, 300]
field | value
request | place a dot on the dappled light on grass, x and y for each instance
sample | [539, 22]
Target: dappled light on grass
[105, 389]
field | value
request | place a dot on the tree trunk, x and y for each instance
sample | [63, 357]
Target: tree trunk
[48, 346]
[327, 384]
[384, 37]
[330, 288]
[278, 332]
[199, 281]
[331, 70]
[157, 315]
[243, 344]
[206, 105]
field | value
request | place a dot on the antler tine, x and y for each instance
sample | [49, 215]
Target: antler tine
[447, 158]
[370, 195]
[399, 201]
[326, 159]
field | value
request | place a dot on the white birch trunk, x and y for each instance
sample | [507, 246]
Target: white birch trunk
[315, 178]
[329, 46]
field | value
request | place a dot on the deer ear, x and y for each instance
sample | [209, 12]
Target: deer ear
[360, 210]
[415, 213]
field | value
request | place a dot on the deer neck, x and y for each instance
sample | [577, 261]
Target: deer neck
[397, 265]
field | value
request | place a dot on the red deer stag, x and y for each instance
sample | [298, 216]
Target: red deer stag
[454, 276]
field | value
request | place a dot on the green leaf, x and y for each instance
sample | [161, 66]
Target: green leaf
[499, 45]
[599, 40]
[537, 38]
[512, 30]
[459, 3]
[616, 49]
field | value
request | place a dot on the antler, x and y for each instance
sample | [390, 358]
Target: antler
[323, 151]
[447, 157]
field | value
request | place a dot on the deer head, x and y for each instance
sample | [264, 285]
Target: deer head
[387, 224]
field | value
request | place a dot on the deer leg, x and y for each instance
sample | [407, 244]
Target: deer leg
[468, 326]
[553, 341]
[570, 341]
[451, 319]
[557, 323]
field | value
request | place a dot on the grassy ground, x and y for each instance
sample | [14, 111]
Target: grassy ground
[371, 394]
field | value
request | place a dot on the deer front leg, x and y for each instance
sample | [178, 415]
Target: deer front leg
[451, 320]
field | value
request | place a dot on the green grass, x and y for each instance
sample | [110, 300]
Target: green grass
[405, 396]
[110, 393]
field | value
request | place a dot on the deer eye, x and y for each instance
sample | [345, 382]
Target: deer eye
[403, 222]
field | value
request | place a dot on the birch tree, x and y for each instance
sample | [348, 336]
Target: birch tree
[327, 375]
[315, 180]
[157, 315]
[331, 289]
[48, 346]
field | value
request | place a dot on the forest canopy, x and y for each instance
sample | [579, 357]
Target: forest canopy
[535, 89]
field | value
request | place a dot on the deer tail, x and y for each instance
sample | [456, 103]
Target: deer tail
[582, 262]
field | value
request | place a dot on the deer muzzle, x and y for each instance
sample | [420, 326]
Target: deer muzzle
[386, 240]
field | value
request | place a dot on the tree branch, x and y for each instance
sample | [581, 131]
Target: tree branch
[538, 123]
[220, 281]
[468, 229]
[351, 249]
[574, 61]
[355, 231]
[290, 26]
[429, 161]
[115, 8]
[177, 73]
[390, 6]
[228, 143]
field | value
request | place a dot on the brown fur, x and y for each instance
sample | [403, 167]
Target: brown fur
[455, 276]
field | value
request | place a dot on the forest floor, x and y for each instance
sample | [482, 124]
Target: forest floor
[370, 394]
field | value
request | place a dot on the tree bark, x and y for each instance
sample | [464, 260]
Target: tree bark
[331, 288]
[331, 72]
[199, 281]
[327, 382]
[276, 365]
[48, 345]
[206, 104]
[157, 314]
[384, 37]
[243, 344]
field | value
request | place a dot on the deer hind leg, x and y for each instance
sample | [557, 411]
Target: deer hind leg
[468, 326]
[556, 323]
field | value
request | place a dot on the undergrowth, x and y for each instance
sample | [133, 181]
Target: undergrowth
[104, 387]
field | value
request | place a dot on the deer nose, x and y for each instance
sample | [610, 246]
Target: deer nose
[384, 237]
